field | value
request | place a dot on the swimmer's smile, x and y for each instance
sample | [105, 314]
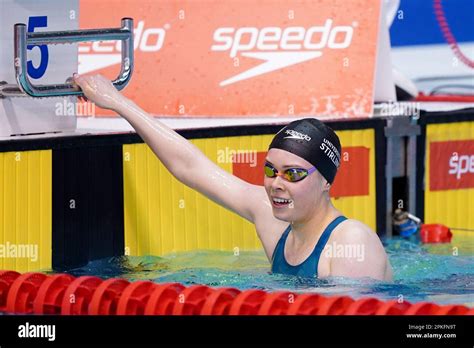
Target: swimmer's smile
[278, 202]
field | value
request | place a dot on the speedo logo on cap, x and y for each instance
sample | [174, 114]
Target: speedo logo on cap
[296, 135]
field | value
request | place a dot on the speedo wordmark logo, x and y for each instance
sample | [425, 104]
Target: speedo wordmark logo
[279, 48]
[296, 135]
[102, 54]
[451, 165]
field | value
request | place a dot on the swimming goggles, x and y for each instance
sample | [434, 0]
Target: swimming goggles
[290, 174]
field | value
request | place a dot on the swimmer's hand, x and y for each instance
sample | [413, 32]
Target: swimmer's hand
[99, 90]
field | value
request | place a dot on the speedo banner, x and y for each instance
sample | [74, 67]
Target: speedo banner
[449, 176]
[242, 58]
[451, 165]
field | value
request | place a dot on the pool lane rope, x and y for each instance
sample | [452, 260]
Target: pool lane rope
[38, 293]
[448, 35]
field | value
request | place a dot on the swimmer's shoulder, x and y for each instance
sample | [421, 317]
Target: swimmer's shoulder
[356, 233]
[353, 231]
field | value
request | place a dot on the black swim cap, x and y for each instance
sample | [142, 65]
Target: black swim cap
[312, 140]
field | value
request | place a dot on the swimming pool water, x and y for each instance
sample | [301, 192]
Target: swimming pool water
[442, 273]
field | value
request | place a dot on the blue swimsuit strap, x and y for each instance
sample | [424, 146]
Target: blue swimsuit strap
[318, 249]
[319, 245]
[281, 240]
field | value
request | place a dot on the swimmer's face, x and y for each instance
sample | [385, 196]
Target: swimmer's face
[304, 196]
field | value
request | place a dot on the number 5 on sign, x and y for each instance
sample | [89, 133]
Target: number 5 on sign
[38, 72]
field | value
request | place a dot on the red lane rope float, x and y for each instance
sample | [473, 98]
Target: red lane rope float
[105, 298]
[448, 35]
[305, 304]
[452, 310]
[51, 293]
[334, 305]
[423, 308]
[163, 298]
[277, 303]
[78, 295]
[191, 300]
[393, 307]
[6, 280]
[134, 298]
[23, 291]
[247, 302]
[435, 233]
[219, 302]
[364, 306]
[63, 294]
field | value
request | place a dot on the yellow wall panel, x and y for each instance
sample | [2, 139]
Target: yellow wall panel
[26, 210]
[453, 208]
[163, 216]
[361, 208]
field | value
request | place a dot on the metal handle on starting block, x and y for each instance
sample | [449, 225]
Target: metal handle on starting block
[23, 39]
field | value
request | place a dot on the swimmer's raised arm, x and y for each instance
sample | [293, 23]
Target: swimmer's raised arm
[182, 158]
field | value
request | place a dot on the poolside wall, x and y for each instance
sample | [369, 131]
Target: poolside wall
[87, 197]
[446, 190]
